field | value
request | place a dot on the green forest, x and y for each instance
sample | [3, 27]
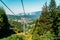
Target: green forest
[47, 26]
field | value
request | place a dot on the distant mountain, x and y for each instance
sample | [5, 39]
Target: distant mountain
[32, 15]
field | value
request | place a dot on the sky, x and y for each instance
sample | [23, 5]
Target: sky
[29, 5]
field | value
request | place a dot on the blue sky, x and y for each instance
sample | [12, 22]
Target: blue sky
[30, 5]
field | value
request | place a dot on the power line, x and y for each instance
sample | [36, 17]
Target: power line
[23, 6]
[7, 7]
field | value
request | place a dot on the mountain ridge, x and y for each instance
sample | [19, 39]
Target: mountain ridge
[31, 15]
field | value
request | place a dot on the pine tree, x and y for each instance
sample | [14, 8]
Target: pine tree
[49, 20]
[41, 26]
[3, 18]
[58, 20]
[4, 25]
[52, 10]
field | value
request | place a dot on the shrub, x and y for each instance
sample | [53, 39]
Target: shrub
[47, 36]
[14, 37]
